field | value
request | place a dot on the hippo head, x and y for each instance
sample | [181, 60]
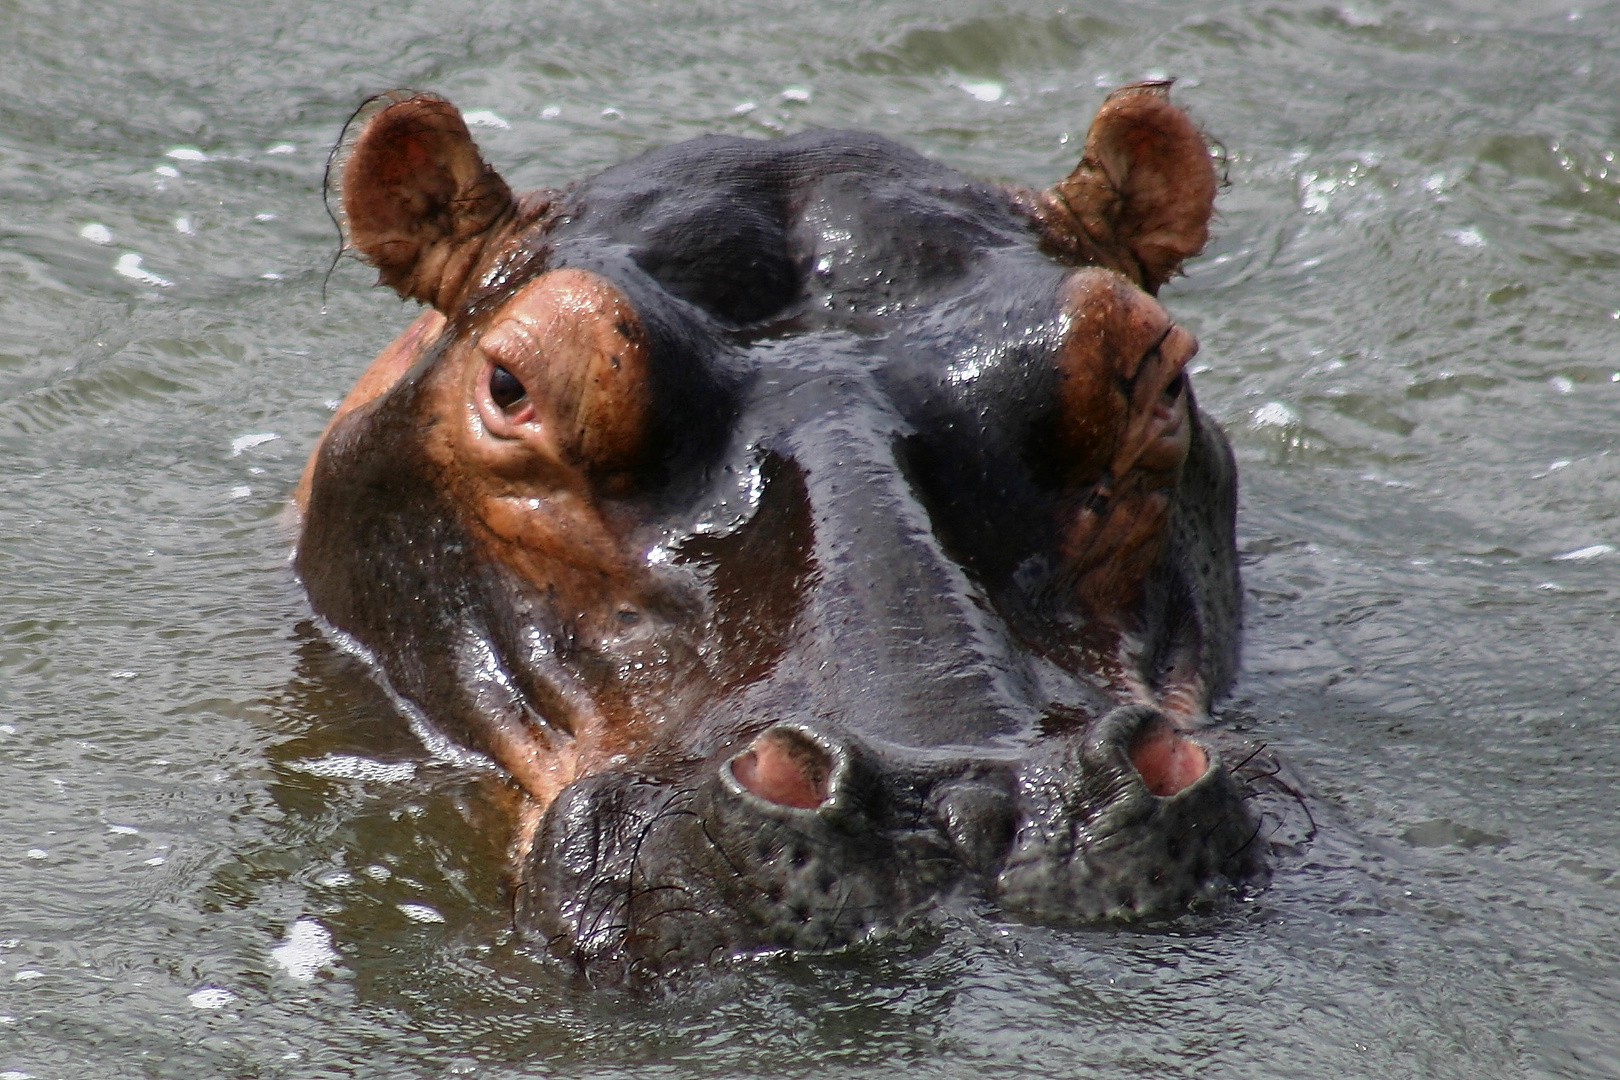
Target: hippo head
[809, 530]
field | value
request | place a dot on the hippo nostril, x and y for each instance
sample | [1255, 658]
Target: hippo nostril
[1172, 392]
[1166, 762]
[785, 767]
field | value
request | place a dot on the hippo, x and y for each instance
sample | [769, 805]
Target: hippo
[810, 533]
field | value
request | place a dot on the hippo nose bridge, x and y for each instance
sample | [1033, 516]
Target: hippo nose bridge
[903, 640]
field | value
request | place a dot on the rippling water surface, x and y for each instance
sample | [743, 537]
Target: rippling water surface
[221, 856]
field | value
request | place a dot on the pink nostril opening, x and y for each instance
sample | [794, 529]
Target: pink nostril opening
[1167, 762]
[785, 768]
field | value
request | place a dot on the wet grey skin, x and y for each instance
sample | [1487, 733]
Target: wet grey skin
[853, 523]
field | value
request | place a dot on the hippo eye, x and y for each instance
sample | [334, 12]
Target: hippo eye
[505, 389]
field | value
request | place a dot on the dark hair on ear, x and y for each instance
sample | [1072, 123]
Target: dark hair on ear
[336, 158]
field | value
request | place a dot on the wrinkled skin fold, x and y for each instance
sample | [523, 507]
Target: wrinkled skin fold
[810, 531]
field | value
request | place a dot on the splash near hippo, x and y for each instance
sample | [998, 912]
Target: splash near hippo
[810, 531]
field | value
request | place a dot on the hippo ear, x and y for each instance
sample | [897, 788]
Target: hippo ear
[1141, 198]
[418, 200]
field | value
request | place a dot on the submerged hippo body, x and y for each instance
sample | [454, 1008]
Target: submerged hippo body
[809, 530]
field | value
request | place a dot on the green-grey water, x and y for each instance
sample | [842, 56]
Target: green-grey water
[221, 854]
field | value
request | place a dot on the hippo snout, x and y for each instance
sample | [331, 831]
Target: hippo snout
[807, 840]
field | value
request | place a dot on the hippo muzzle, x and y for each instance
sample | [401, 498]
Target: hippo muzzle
[630, 877]
[809, 531]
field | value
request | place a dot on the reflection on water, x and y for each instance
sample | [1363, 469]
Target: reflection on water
[225, 856]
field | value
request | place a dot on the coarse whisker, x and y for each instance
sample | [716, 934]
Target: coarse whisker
[614, 932]
[603, 911]
[668, 812]
[1255, 778]
[741, 876]
[1259, 826]
[1256, 752]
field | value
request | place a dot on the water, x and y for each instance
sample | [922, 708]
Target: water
[222, 856]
